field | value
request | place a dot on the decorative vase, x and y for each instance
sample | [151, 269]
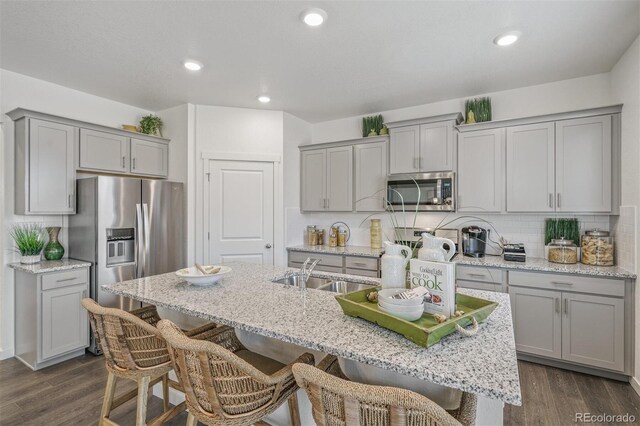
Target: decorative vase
[53, 250]
[376, 234]
[372, 133]
[30, 260]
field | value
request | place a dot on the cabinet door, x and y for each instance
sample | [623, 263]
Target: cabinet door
[51, 168]
[103, 151]
[593, 330]
[583, 165]
[149, 158]
[404, 149]
[436, 147]
[371, 177]
[340, 179]
[64, 322]
[481, 171]
[531, 168]
[313, 180]
[536, 321]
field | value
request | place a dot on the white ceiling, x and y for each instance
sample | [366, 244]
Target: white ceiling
[367, 57]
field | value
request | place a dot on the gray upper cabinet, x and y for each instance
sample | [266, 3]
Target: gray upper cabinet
[370, 177]
[45, 170]
[436, 147]
[481, 171]
[103, 151]
[313, 180]
[583, 165]
[531, 168]
[149, 158]
[404, 149]
[340, 179]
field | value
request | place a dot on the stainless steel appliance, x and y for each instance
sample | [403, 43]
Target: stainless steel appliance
[427, 191]
[411, 236]
[474, 241]
[127, 228]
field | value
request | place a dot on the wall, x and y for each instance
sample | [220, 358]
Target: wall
[574, 94]
[235, 130]
[22, 91]
[625, 88]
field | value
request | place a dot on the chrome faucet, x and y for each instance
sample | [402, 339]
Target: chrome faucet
[305, 272]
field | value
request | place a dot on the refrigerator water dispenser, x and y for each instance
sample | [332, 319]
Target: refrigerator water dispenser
[121, 245]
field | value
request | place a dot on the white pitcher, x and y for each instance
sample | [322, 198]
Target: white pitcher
[433, 248]
[394, 265]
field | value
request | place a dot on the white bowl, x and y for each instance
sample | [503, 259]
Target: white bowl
[192, 275]
[398, 308]
[415, 314]
[387, 294]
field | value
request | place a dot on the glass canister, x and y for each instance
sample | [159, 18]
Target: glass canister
[313, 238]
[597, 248]
[320, 233]
[307, 234]
[342, 238]
[333, 237]
[376, 234]
[563, 251]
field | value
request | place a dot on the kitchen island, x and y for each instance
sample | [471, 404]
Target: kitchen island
[248, 300]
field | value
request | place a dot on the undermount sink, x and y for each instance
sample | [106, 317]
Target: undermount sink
[324, 284]
[344, 287]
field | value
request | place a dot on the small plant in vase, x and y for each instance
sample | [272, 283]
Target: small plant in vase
[556, 229]
[151, 125]
[30, 240]
[373, 126]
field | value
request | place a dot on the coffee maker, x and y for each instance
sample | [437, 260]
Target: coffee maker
[474, 241]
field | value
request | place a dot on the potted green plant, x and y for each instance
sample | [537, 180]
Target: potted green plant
[30, 240]
[567, 228]
[372, 126]
[151, 125]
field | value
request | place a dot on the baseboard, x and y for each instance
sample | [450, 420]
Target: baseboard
[6, 353]
[635, 384]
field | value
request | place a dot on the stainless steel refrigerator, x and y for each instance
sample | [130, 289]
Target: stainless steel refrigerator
[127, 228]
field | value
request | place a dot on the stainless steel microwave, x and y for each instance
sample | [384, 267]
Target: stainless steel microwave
[427, 191]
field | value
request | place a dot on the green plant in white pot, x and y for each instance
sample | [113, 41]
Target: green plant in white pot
[151, 125]
[30, 240]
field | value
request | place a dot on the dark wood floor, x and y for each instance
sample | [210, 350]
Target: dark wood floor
[71, 394]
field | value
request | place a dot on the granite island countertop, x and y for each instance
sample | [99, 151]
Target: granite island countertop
[484, 364]
[543, 265]
[46, 266]
[362, 251]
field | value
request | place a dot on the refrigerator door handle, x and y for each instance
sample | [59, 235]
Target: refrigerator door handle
[139, 241]
[147, 238]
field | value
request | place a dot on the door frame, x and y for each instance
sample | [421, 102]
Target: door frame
[278, 203]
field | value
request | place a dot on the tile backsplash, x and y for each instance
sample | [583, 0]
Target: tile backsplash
[515, 228]
[624, 228]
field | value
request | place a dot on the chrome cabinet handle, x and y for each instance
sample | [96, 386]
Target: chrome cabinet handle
[478, 275]
[134, 163]
[558, 200]
[561, 283]
[84, 294]
[557, 305]
[66, 279]
[123, 158]
[268, 246]
[566, 306]
[416, 164]
[328, 202]
[359, 264]
[420, 163]
[550, 200]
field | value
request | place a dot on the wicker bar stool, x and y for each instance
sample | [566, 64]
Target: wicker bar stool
[227, 385]
[337, 401]
[134, 349]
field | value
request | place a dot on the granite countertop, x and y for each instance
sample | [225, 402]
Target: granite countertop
[484, 364]
[50, 266]
[543, 265]
[362, 251]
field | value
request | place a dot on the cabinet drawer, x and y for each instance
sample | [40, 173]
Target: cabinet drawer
[326, 268]
[582, 284]
[362, 262]
[325, 259]
[64, 279]
[363, 272]
[478, 285]
[487, 275]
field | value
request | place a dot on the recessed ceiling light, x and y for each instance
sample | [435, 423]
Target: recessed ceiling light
[507, 39]
[313, 17]
[192, 65]
[264, 99]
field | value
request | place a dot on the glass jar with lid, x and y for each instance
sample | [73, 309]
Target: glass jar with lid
[563, 251]
[597, 248]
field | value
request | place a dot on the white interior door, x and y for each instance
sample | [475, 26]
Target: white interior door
[241, 212]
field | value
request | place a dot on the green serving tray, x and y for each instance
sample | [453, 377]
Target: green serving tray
[425, 331]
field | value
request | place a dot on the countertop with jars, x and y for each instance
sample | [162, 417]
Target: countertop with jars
[361, 251]
[543, 265]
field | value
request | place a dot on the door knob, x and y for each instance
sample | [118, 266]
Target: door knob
[268, 246]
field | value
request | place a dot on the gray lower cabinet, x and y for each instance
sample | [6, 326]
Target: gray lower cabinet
[102, 151]
[51, 324]
[578, 320]
[149, 158]
[44, 169]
